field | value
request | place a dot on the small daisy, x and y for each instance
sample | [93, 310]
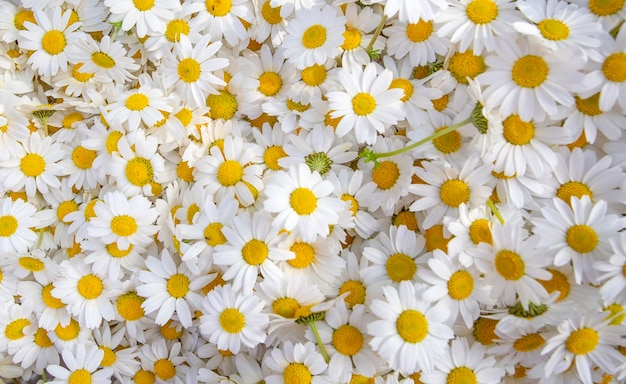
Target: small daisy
[447, 189]
[50, 310]
[367, 102]
[313, 36]
[230, 320]
[360, 26]
[272, 141]
[350, 281]
[37, 352]
[295, 363]
[148, 16]
[116, 355]
[222, 19]
[163, 362]
[18, 219]
[586, 119]
[106, 59]
[169, 287]
[579, 235]
[16, 324]
[613, 277]
[409, 334]
[81, 365]
[48, 38]
[302, 201]
[269, 23]
[410, 12]
[418, 40]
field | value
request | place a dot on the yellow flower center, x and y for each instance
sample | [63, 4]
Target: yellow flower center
[123, 225]
[254, 252]
[229, 173]
[484, 330]
[144, 377]
[482, 11]
[115, 252]
[111, 141]
[516, 131]
[90, 286]
[270, 83]
[286, 307]
[356, 291]
[363, 104]
[49, 300]
[314, 36]
[109, 357]
[31, 264]
[616, 313]
[178, 285]
[143, 5]
[386, 174]
[449, 143]
[582, 341]
[189, 70]
[400, 267]
[529, 342]
[164, 369]
[15, 329]
[480, 231]
[530, 71]
[558, 283]
[351, 38]
[454, 192]
[32, 165]
[175, 28]
[314, 75]
[460, 285]
[347, 340]
[184, 116]
[509, 265]
[297, 373]
[420, 31]
[222, 105]
[581, 238]
[64, 208]
[412, 326]
[461, 375]
[406, 218]
[169, 331]
[605, 7]
[213, 234]
[465, 64]
[232, 320]
[271, 14]
[70, 119]
[296, 106]
[103, 60]
[191, 212]
[303, 201]
[129, 306]
[272, 155]
[218, 8]
[441, 103]
[185, 172]
[41, 338]
[354, 205]
[80, 376]
[139, 171]
[553, 29]
[405, 85]
[589, 106]
[53, 42]
[305, 254]
[8, 226]
[573, 189]
[137, 101]
[614, 67]
[21, 17]
[82, 157]
[435, 239]
[359, 379]
[80, 76]
[69, 332]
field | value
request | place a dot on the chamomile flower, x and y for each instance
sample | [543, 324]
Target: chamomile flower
[418, 40]
[302, 201]
[50, 310]
[37, 352]
[367, 102]
[18, 219]
[147, 16]
[317, 261]
[116, 355]
[16, 323]
[230, 320]
[106, 59]
[586, 119]
[164, 362]
[220, 19]
[409, 334]
[295, 363]
[313, 36]
[49, 39]
[613, 276]
[269, 23]
[81, 365]
[360, 25]
[578, 235]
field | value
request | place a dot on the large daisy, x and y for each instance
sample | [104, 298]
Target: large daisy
[17, 221]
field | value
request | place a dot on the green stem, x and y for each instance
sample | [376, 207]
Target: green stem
[319, 341]
[495, 211]
[40, 238]
[376, 33]
[43, 376]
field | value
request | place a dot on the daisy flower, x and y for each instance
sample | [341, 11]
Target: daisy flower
[512, 265]
[446, 189]
[191, 69]
[586, 119]
[81, 365]
[366, 101]
[313, 36]
[50, 310]
[164, 362]
[295, 363]
[465, 363]
[223, 19]
[36, 352]
[230, 320]
[529, 81]
[170, 287]
[360, 26]
[410, 12]
[35, 265]
[269, 23]
[419, 40]
[586, 342]
[302, 201]
[579, 234]
[272, 141]
[148, 16]
[17, 221]
[409, 334]
[123, 221]
[613, 277]
[16, 323]
[110, 260]
[34, 166]
[106, 59]
[116, 355]
[521, 346]
[48, 38]
[609, 14]
[251, 247]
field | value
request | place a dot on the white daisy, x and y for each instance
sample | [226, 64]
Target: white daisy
[230, 320]
[17, 221]
[302, 202]
[106, 59]
[50, 310]
[17, 323]
[120, 357]
[269, 23]
[408, 11]
[163, 362]
[295, 363]
[613, 277]
[222, 19]
[81, 365]
[409, 334]
[419, 40]
[149, 16]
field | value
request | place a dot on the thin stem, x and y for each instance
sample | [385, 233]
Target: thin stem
[376, 33]
[495, 211]
[40, 238]
[319, 341]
